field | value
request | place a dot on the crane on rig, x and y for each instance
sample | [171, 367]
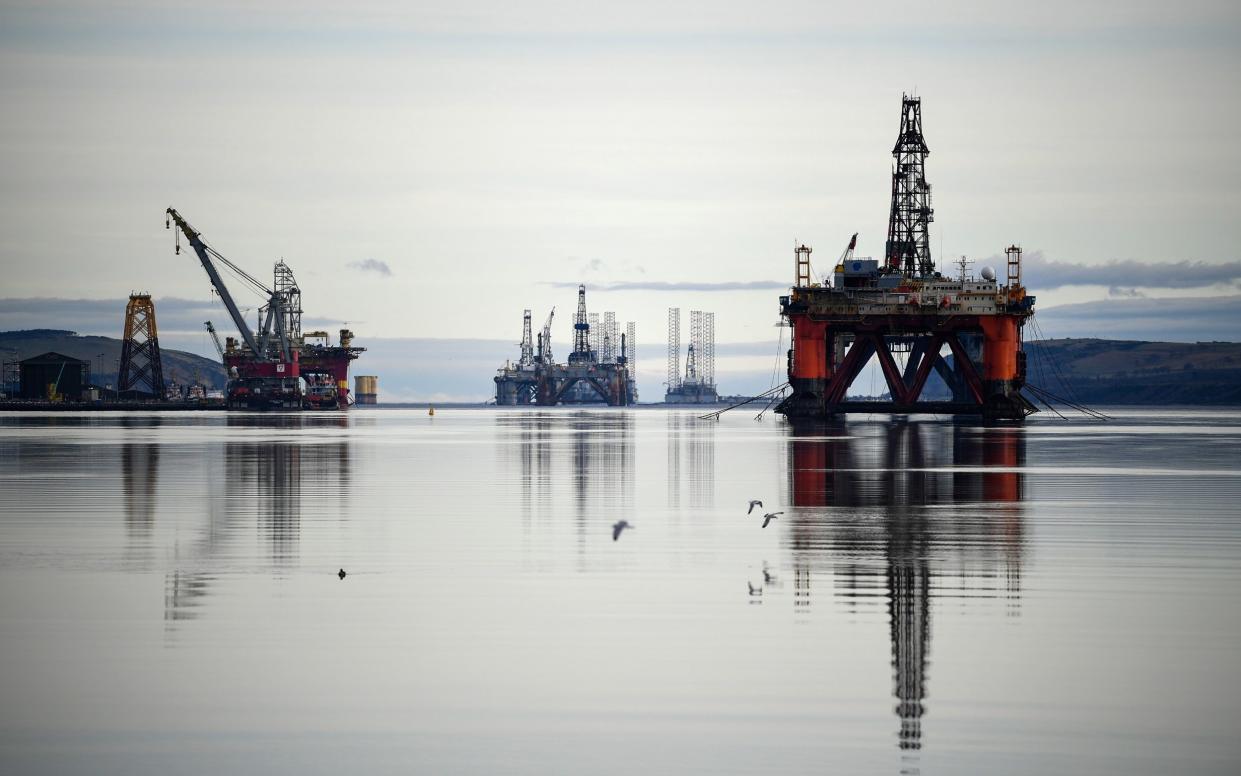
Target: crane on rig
[545, 340]
[215, 339]
[263, 373]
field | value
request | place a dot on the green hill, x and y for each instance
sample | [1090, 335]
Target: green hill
[104, 355]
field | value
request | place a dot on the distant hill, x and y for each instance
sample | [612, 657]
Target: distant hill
[179, 366]
[1101, 371]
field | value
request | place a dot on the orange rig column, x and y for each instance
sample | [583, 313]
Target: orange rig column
[810, 361]
[1003, 367]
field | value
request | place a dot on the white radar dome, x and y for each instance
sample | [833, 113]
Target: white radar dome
[988, 273]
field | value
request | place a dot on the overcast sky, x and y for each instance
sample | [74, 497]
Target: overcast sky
[431, 169]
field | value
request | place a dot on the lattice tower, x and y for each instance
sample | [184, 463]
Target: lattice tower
[803, 266]
[610, 339]
[631, 347]
[674, 348]
[909, 245]
[707, 358]
[596, 334]
[527, 341]
[291, 314]
[695, 344]
[581, 326]
[141, 369]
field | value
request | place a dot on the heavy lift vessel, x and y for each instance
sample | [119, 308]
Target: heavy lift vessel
[905, 305]
[267, 371]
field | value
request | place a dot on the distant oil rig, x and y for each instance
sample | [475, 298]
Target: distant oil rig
[906, 306]
[598, 371]
[696, 385]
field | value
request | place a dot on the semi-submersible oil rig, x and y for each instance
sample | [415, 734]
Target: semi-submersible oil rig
[279, 367]
[598, 371]
[905, 306]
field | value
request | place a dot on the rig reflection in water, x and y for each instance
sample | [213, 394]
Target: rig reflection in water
[869, 508]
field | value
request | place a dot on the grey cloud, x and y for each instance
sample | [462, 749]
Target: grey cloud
[372, 265]
[1041, 273]
[748, 285]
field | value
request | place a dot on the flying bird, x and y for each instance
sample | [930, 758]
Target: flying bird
[767, 518]
[341, 574]
[754, 503]
[754, 590]
[618, 527]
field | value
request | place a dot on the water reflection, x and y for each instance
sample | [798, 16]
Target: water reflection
[906, 513]
[691, 449]
[139, 484]
[591, 452]
[272, 479]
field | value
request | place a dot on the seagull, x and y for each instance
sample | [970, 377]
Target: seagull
[618, 527]
[754, 590]
[767, 518]
[341, 574]
[754, 503]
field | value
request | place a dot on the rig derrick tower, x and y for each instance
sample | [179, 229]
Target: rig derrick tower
[909, 240]
[527, 342]
[141, 370]
[581, 332]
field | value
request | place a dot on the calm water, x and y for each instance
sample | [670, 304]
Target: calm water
[944, 598]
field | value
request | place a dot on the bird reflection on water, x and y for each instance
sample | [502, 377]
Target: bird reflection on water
[870, 509]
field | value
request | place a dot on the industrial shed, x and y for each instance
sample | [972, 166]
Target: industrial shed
[67, 377]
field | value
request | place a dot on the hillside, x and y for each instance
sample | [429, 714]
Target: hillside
[104, 355]
[1135, 372]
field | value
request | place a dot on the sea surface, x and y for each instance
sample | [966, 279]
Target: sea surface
[936, 597]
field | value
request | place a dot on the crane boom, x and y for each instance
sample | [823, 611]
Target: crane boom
[215, 338]
[546, 350]
[218, 283]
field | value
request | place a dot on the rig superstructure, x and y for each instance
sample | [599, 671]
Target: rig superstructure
[599, 370]
[279, 367]
[906, 306]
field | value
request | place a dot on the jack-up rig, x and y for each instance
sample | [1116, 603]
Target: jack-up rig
[267, 370]
[598, 371]
[906, 306]
[696, 385]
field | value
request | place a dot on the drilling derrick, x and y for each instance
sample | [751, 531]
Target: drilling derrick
[871, 311]
[909, 242]
[141, 371]
[527, 343]
[581, 332]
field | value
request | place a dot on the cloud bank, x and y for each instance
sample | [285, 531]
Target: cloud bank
[1041, 273]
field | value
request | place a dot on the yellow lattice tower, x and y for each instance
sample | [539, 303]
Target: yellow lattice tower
[141, 370]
